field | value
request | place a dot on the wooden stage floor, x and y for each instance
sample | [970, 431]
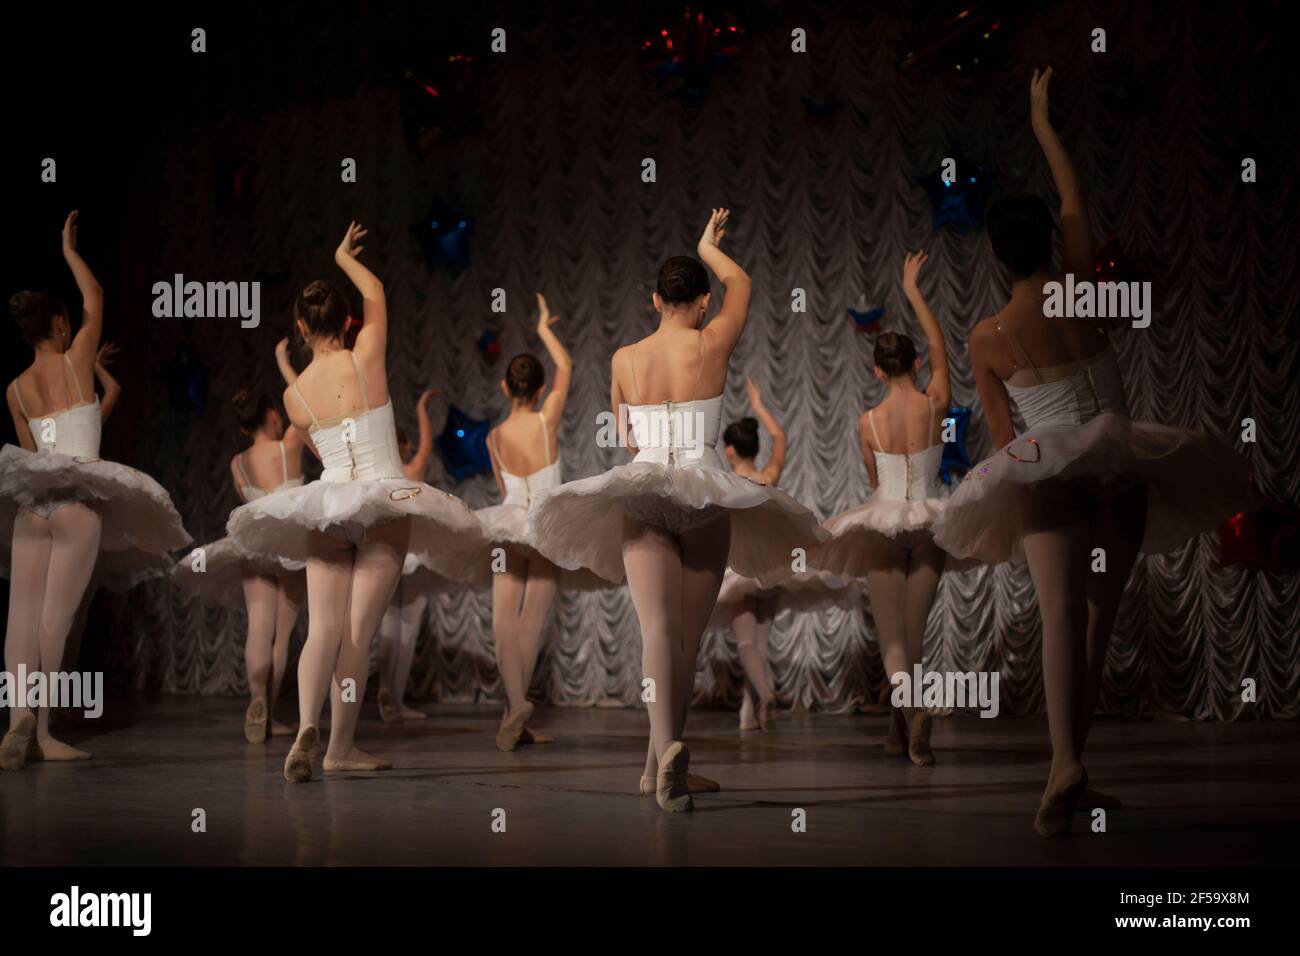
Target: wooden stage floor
[1201, 794]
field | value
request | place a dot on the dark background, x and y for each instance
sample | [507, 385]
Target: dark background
[541, 148]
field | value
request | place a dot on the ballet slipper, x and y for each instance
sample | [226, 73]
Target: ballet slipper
[672, 785]
[356, 760]
[280, 729]
[16, 743]
[255, 719]
[389, 712]
[54, 751]
[694, 783]
[297, 766]
[410, 713]
[918, 740]
[1097, 800]
[1058, 806]
[896, 739]
[767, 715]
[535, 737]
[512, 727]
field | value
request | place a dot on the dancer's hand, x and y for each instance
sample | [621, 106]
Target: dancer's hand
[755, 393]
[428, 395]
[1038, 113]
[713, 232]
[350, 247]
[912, 263]
[544, 318]
[282, 349]
[70, 232]
[104, 357]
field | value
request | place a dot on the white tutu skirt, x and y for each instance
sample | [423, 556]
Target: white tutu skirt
[507, 528]
[804, 591]
[224, 565]
[140, 526]
[1194, 482]
[580, 523]
[445, 536]
[875, 534]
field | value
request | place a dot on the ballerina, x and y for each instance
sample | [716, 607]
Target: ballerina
[269, 587]
[60, 504]
[1082, 479]
[355, 526]
[674, 518]
[889, 540]
[743, 606]
[399, 629]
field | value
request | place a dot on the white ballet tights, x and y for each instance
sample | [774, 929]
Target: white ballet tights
[674, 582]
[399, 631]
[348, 589]
[1063, 524]
[522, 595]
[901, 596]
[272, 605]
[53, 559]
[751, 626]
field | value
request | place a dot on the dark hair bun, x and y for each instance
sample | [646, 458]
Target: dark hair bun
[1020, 230]
[250, 409]
[322, 308]
[895, 354]
[682, 280]
[35, 312]
[525, 376]
[742, 435]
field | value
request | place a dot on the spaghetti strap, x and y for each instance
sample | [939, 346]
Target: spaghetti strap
[1013, 344]
[19, 395]
[72, 373]
[546, 439]
[871, 420]
[284, 462]
[298, 392]
[239, 463]
[631, 361]
[361, 380]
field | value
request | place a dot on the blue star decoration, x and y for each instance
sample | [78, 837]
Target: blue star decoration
[868, 321]
[444, 233]
[956, 460]
[960, 202]
[463, 445]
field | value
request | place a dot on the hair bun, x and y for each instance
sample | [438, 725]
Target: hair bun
[21, 304]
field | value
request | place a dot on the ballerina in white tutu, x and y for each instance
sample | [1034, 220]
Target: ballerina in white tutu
[60, 504]
[270, 588]
[745, 607]
[676, 517]
[1082, 480]
[399, 630]
[889, 540]
[355, 526]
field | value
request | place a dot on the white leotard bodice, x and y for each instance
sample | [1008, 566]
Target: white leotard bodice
[520, 489]
[678, 433]
[358, 447]
[905, 477]
[1072, 394]
[250, 492]
[73, 431]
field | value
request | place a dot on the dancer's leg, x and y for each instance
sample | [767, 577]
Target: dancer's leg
[925, 565]
[704, 561]
[745, 626]
[288, 602]
[654, 579]
[390, 638]
[375, 573]
[887, 593]
[28, 573]
[508, 589]
[539, 595]
[412, 608]
[260, 602]
[74, 532]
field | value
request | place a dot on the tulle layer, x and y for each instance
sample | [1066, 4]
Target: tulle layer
[805, 591]
[445, 537]
[580, 523]
[139, 523]
[1194, 482]
[224, 565]
[873, 535]
[507, 528]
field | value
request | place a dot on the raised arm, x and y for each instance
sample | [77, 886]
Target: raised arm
[993, 391]
[112, 390]
[1076, 231]
[868, 450]
[617, 401]
[776, 461]
[287, 371]
[21, 428]
[730, 320]
[496, 465]
[419, 464]
[372, 340]
[940, 388]
[553, 406]
[86, 343]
